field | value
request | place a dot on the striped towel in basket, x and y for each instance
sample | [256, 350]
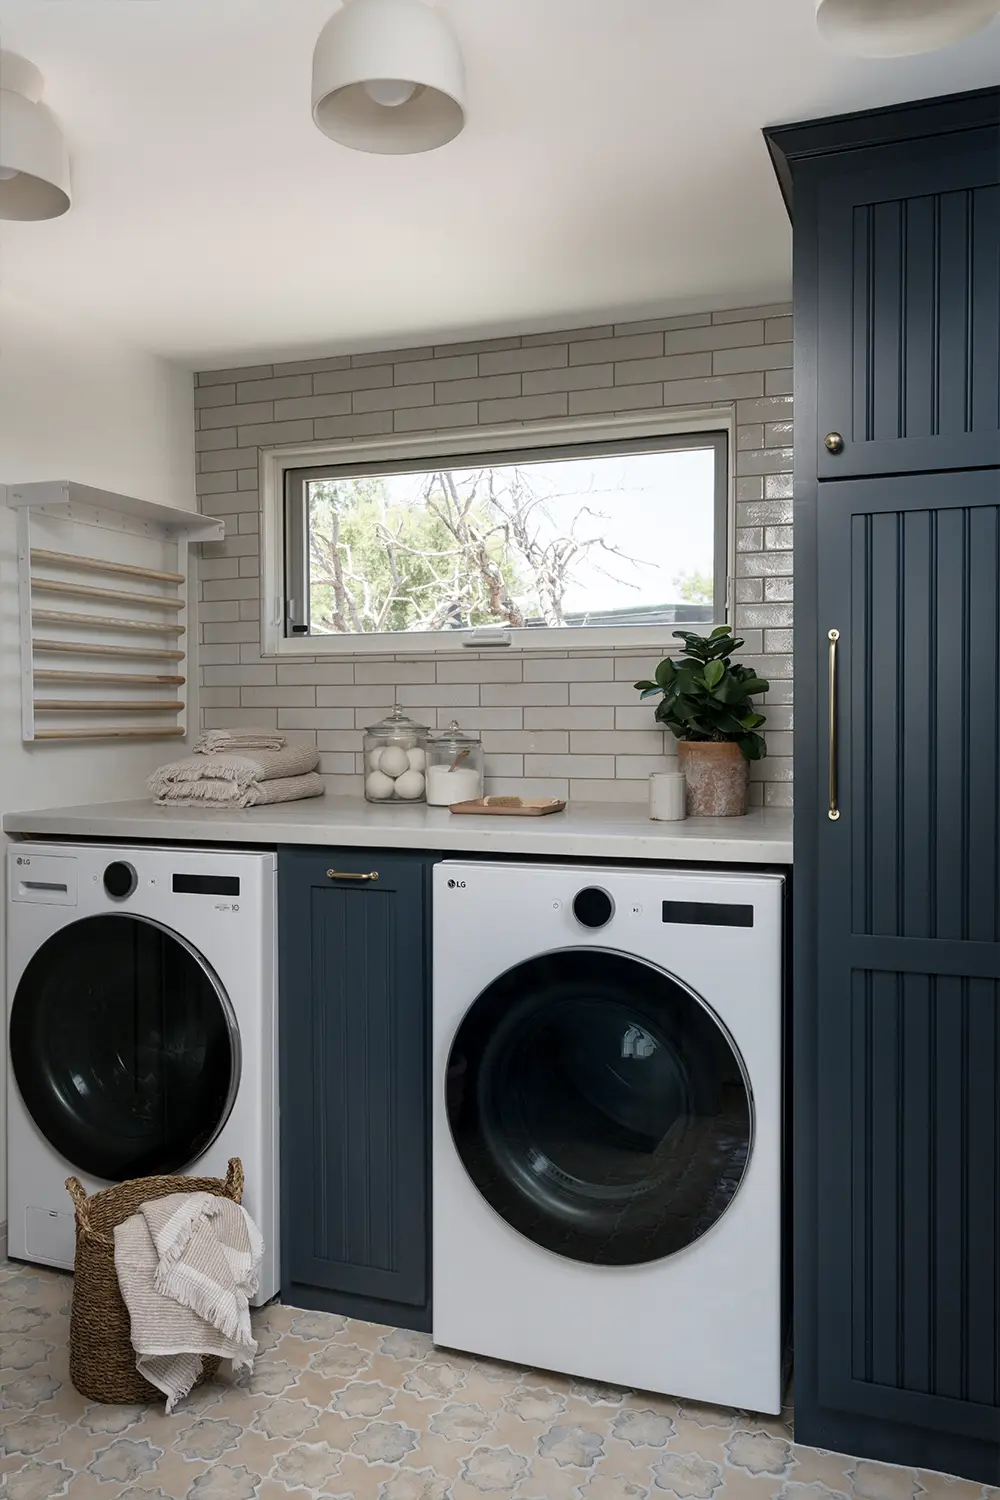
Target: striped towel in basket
[187, 1266]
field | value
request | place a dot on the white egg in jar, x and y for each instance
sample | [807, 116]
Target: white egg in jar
[417, 758]
[410, 785]
[393, 761]
[379, 787]
[373, 757]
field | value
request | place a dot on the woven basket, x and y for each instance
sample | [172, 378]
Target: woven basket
[101, 1357]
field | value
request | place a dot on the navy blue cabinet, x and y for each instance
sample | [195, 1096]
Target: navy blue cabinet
[907, 1000]
[908, 286]
[354, 1007]
[896, 995]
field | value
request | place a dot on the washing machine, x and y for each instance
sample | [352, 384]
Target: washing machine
[607, 1141]
[142, 1030]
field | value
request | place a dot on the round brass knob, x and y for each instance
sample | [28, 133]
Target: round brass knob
[833, 442]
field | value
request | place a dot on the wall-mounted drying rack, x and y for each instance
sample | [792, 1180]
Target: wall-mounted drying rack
[103, 599]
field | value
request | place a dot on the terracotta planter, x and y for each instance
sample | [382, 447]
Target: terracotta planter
[717, 778]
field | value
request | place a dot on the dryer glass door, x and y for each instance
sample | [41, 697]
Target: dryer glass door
[599, 1107]
[124, 1047]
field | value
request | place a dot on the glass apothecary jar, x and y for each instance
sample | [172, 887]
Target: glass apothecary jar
[454, 766]
[395, 759]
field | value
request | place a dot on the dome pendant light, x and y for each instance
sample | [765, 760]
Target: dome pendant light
[388, 77]
[34, 167]
[900, 28]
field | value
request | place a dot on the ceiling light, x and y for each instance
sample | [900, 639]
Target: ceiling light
[900, 28]
[34, 167]
[388, 77]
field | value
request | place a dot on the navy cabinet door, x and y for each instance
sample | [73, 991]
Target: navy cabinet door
[908, 287]
[908, 991]
[354, 1007]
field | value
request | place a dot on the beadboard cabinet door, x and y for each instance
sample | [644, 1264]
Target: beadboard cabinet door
[908, 281]
[354, 1007]
[908, 979]
[896, 990]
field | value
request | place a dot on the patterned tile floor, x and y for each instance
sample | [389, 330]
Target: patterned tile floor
[336, 1409]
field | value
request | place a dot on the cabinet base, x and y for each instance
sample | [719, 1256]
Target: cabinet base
[895, 1443]
[369, 1309]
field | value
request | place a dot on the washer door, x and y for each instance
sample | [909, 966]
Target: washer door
[124, 1047]
[599, 1107]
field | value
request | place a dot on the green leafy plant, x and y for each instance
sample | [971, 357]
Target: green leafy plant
[706, 696]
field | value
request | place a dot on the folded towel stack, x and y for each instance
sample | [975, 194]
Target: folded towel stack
[214, 740]
[239, 768]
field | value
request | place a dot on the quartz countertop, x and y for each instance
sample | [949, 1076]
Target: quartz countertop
[588, 830]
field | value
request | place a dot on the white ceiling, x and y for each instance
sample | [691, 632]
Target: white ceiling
[612, 165]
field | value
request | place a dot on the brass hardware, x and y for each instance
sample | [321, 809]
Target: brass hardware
[833, 636]
[350, 875]
[833, 442]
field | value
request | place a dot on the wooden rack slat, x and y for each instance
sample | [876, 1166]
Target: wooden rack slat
[110, 734]
[105, 706]
[82, 648]
[103, 622]
[84, 591]
[98, 565]
[127, 678]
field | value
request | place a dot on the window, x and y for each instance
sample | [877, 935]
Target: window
[508, 547]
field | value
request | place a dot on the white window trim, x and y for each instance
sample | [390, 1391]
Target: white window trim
[275, 461]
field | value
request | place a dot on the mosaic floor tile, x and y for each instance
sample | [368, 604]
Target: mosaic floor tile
[337, 1409]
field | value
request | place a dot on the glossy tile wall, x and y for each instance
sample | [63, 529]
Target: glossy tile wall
[560, 723]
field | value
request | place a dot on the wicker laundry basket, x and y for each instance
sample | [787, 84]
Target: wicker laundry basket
[101, 1357]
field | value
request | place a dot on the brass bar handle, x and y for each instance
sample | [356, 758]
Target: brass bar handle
[350, 875]
[833, 636]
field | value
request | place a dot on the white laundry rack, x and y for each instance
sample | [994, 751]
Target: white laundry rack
[103, 605]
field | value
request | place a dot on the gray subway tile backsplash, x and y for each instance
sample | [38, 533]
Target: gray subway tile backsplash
[554, 723]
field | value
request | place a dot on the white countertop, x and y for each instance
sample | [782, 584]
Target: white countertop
[591, 830]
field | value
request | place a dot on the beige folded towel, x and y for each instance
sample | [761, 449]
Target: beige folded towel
[214, 740]
[243, 770]
[187, 1266]
[213, 791]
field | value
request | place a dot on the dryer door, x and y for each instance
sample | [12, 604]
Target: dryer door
[599, 1107]
[124, 1046]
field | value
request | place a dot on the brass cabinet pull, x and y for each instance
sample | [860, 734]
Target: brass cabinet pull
[350, 875]
[833, 442]
[833, 636]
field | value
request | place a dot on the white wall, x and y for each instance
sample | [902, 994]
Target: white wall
[74, 405]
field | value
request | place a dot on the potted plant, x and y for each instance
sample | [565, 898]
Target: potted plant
[705, 702]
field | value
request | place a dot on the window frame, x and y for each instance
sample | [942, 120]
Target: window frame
[293, 465]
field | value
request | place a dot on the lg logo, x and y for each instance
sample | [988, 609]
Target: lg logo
[456, 885]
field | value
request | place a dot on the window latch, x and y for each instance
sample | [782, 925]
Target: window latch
[487, 635]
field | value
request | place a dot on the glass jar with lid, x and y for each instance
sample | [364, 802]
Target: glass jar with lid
[454, 766]
[395, 759]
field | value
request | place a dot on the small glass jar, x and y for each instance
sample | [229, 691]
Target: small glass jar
[454, 766]
[395, 759]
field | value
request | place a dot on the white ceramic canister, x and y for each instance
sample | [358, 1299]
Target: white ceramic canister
[667, 795]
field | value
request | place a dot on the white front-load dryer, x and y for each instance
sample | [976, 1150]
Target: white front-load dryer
[142, 1030]
[607, 1124]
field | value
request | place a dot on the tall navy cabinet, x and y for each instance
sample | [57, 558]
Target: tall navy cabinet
[896, 1055]
[354, 1107]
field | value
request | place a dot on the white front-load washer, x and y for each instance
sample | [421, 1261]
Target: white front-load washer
[607, 1124]
[142, 1030]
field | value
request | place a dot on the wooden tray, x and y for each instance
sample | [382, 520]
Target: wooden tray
[531, 807]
